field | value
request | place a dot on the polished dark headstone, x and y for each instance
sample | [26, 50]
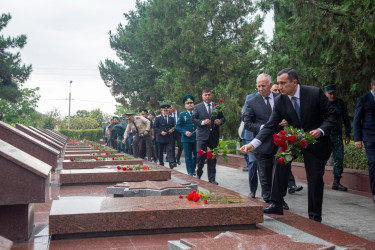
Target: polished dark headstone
[23, 180]
[40, 131]
[29, 144]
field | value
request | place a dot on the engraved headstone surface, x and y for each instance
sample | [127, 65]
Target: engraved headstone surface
[39, 136]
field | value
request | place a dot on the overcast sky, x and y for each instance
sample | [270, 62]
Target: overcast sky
[66, 40]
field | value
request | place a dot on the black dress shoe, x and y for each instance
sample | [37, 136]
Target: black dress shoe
[294, 188]
[245, 169]
[214, 182]
[178, 162]
[252, 195]
[274, 209]
[285, 206]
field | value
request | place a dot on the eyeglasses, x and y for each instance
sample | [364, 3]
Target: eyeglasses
[189, 102]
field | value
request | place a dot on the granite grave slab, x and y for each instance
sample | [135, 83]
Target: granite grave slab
[92, 163]
[39, 137]
[106, 215]
[5, 244]
[110, 174]
[47, 132]
[151, 188]
[93, 156]
[29, 144]
[232, 240]
[41, 132]
[24, 180]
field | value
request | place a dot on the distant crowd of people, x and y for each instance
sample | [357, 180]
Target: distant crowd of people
[320, 113]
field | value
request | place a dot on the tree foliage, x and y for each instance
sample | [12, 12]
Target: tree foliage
[12, 71]
[327, 42]
[188, 45]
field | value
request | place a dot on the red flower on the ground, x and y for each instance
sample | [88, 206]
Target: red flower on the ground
[221, 100]
[124, 158]
[113, 158]
[200, 152]
[205, 201]
[196, 197]
[280, 161]
[145, 167]
[282, 132]
[118, 167]
[214, 104]
[107, 153]
[303, 143]
[93, 154]
[71, 159]
[180, 196]
[210, 154]
[194, 191]
[190, 197]
[124, 168]
[292, 139]
[96, 158]
[130, 168]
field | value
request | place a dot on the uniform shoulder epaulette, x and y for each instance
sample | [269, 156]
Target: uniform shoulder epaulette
[137, 117]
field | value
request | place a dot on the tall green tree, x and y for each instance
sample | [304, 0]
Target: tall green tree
[326, 41]
[12, 71]
[132, 81]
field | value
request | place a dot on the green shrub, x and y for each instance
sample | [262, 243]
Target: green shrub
[81, 134]
[231, 144]
[355, 158]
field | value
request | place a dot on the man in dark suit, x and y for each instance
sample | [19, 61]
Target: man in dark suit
[308, 108]
[364, 130]
[208, 119]
[258, 111]
[163, 128]
[176, 134]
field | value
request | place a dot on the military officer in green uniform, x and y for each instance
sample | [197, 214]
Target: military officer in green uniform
[336, 135]
[188, 132]
[142, 127]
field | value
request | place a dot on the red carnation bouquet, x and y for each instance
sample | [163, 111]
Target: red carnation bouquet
[291, 141]
[221, 150]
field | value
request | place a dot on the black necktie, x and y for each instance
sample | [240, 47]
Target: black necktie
[209, 109]
[268, 103]
[296, 107]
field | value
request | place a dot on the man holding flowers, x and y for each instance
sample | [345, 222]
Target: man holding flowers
[307, 108]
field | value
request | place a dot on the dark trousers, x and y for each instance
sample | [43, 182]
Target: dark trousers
[291, 180]
[211, 163]
[252, 168]
[370, 152]
[177, 140]
[169, 149]
[265, 165]
[338, 155]
[190, 151]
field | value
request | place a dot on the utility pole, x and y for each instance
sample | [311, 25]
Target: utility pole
[70, 98]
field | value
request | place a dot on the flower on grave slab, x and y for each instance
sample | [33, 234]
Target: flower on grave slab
[71, 159]
[96, 158]
[196, 197]
[113, 158]
[118, 168]
[205, 201]
[180, 196]
[145, 167]
[190, 196]
[130, 168]
[124, 168]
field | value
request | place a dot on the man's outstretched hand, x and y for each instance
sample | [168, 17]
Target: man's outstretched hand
[247, 148]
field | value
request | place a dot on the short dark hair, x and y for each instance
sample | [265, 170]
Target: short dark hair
[206, 91]
[373, 80]
[292, 74]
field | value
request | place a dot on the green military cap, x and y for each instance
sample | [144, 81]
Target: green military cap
[115, 118]
[165, 106]
[122, 118]
[143, 111]
[330, 88]
[187, 98]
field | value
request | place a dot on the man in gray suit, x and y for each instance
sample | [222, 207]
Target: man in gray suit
[258, 111]
[208, 120]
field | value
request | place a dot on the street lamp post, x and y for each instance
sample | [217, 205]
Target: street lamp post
[70, 98]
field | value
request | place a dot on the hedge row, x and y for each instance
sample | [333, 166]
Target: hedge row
[80, 134]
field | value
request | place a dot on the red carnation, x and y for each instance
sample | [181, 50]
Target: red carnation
[124, 168]
[221, 100]
[283, 144]
[96, 158]
[107, 153]
[180, 196]
[137, 135]
[282, 132]
[275, 136]
[71, 159]
[276, 141]
[145, 167]
[190, 196]
[93, 154]
[283, 138]
[196, 197]
[210, 154]
[292, 139]
[113, 158]
[200, 152]
[115, 140]
[194, 191]
[283, 149]
[130, 168]
[124, 158]
[214, 104]
[205, 201]
[280, 161]
[118, 167]
[303, 143]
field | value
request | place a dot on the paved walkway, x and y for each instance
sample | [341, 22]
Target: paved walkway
[345, 211]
